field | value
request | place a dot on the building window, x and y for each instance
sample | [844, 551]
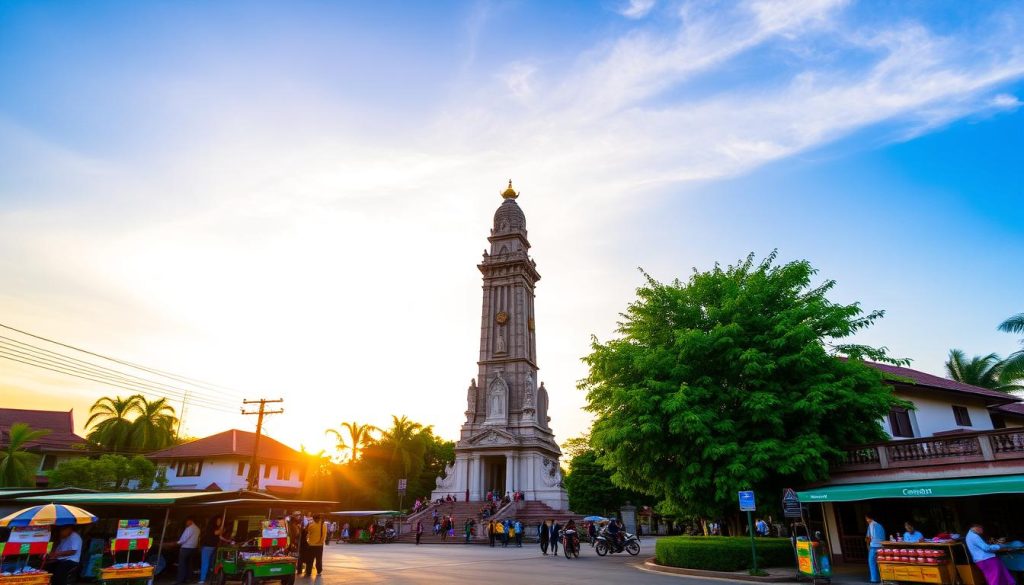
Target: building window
[998, 421]
[190, 468]
[241, 468]
[963, 418]
[899, 422]
[48, 463]
[266, 471]
[284, 473]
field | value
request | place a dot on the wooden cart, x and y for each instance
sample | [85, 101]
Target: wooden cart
[938, 563]
[25, 549]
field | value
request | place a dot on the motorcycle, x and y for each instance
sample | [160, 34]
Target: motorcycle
[606, 544]
[570, 544]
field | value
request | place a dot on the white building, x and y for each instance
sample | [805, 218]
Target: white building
[221, 462]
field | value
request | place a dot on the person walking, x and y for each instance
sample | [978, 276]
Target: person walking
[544, 534]
[468, 527]
[499, 527]
[316, 534]
[419, 531]
[555, 530]
[188, 544]
[210, 540]
[519, 533]
[490, 533]
[874, 537]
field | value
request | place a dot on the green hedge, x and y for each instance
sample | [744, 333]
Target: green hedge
[722, 553]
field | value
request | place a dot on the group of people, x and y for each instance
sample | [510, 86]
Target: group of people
[982, 552]
[504, 532]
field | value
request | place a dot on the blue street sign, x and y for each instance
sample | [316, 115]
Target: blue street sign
[747, 502]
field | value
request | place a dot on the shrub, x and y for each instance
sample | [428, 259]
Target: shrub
[722, 553]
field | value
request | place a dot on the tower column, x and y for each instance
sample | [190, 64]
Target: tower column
[509, 458]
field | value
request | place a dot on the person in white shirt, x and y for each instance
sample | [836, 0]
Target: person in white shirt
[67, 555]
[188, 544]
[983, 555]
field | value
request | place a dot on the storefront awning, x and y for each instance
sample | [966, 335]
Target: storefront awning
[929, 488]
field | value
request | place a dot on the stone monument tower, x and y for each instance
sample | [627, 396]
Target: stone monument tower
[506, 443]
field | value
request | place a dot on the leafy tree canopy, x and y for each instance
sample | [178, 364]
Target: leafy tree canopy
[986, 371]
[591, 490]
[17, 464]
[731, 381]
[107, 472]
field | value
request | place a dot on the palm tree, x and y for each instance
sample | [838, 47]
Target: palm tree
[153, 428]
[405, 438]
[111, 428]
[358, 437]
[17, 465]
[1013, 367]
[986, 371]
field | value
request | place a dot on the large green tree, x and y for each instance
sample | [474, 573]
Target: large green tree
[731, 381]
[17, 464]
[1013, 366]
[110, 423]
[986, 371]
[591, 490]
[352, 438]
[154, 424]
[107, 472]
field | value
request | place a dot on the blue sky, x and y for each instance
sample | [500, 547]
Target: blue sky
[291, 197]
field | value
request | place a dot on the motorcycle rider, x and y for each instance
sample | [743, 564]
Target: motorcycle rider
[615, 533]
[571, 536]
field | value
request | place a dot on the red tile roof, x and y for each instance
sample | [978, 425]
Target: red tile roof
[1014, 409]
[230, 443]
[919, 378]
[61, 425]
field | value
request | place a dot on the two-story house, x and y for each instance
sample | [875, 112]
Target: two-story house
[221, 462]
[60, 444]
[955, 457]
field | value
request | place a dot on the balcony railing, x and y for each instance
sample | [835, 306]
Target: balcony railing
[952, 449]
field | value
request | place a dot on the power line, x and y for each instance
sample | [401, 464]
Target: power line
[186, 379]
[65, 362]
[105, 382]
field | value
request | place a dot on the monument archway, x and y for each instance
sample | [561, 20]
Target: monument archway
[495, 473]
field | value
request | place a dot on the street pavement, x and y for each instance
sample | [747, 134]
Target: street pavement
[435, 564]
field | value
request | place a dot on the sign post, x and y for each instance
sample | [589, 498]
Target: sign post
[402, 485]
[791, 504]
[748, 505]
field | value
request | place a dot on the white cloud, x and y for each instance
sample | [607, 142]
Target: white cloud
[637, 9]
[337, 265]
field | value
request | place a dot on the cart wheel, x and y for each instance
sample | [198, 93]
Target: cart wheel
[248, 578]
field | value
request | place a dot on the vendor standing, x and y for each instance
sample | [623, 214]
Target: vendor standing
[912, 534]
[984, 557]
[874, 537]
[66, 556]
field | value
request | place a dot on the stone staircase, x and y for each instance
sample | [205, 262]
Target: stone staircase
[460, 510]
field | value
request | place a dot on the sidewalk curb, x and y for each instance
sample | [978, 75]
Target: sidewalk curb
[651, 565]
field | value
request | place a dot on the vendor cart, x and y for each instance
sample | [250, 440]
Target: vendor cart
[260, 559]
[940, 563]
[30, 537]
[812, 560]
[15, 554]
[132, 539]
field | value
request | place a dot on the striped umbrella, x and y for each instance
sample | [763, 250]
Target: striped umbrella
[48, 515]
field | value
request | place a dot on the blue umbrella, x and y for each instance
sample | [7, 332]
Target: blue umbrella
[594, 519]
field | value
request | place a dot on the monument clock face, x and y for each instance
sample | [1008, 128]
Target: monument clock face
[501, 318]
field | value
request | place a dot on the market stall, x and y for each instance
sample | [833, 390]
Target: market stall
[132, 540]
[30, 541]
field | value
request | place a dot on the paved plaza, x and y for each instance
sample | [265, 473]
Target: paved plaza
[407, 563]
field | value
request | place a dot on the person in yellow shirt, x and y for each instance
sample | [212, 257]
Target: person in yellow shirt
[316, 534]
[499, 529]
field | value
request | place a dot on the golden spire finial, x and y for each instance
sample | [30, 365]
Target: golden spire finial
[510, 193]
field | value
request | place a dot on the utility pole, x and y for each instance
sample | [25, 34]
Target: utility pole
[254, 471]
